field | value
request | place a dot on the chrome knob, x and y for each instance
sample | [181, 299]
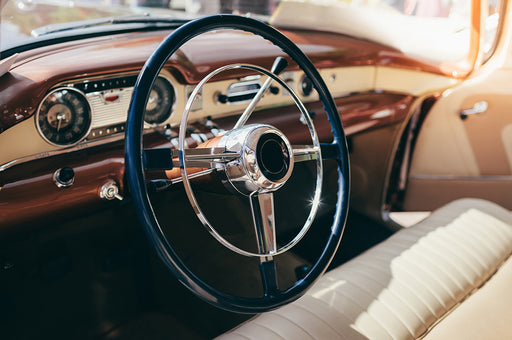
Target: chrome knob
[110, 191]
[64, 177]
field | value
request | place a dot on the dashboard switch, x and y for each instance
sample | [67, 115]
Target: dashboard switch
[110, 191]
[64, 177]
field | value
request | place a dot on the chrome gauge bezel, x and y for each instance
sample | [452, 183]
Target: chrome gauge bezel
[172, 109]
[85, 133]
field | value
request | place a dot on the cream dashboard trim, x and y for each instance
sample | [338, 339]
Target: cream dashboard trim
[412, 82]
[32, 143]
[341, 81]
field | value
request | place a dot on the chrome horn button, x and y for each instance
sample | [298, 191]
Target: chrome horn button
[266, 159]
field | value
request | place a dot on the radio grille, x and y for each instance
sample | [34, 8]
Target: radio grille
[105, 113]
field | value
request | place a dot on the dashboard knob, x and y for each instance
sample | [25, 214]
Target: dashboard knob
[110, 191]
[306, 86]
[64, 177]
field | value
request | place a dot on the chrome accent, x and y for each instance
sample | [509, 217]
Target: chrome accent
[217, 132]
[279, 65]
[197, 104]
[302, 153]
[61, 183]
[36, 116]
[194, 175]
[105, 113]
[247, 173]
[289, 78]
[306, 87]
[242, 90]
[262, 208]
[105, 117]
[112, 113]
[110, 191]
[479, 107]
[208, 157]
[197, 138]
[315, 201]
[173, 106]
[109, 113]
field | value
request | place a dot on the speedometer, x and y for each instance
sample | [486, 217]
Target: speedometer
[64, 117]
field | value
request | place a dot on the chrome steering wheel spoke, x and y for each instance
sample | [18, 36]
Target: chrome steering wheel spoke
[303, 153]
[208, 157]
[262, 209]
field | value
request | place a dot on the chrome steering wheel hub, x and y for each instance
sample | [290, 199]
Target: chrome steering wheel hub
[255, 160]
[266, 159]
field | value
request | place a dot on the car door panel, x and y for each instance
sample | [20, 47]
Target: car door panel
[456, 157]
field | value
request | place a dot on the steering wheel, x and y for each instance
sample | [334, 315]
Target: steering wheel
[255, 159]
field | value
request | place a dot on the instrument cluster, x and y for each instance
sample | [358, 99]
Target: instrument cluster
[92, 109]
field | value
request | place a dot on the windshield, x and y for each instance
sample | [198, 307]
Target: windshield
[430, 29]
[21, 19]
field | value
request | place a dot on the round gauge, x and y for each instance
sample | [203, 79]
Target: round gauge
[160, 102]
[306, 86]
[64, 117]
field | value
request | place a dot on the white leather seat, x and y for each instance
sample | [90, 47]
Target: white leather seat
[448, 277]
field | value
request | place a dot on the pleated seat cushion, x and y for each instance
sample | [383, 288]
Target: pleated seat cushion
[432, 280]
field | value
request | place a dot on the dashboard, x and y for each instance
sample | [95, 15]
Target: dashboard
[63, 108]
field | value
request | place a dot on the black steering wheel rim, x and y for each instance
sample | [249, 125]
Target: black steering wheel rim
[137, 183]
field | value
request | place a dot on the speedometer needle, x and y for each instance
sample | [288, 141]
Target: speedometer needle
[60, 117]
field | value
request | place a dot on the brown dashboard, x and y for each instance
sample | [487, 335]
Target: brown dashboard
[98, 74]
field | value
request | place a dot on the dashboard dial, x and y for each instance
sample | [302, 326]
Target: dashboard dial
[306, 86]
[64, 117]
[160, 102]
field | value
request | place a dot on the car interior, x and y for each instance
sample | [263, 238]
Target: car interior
[255, 169]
